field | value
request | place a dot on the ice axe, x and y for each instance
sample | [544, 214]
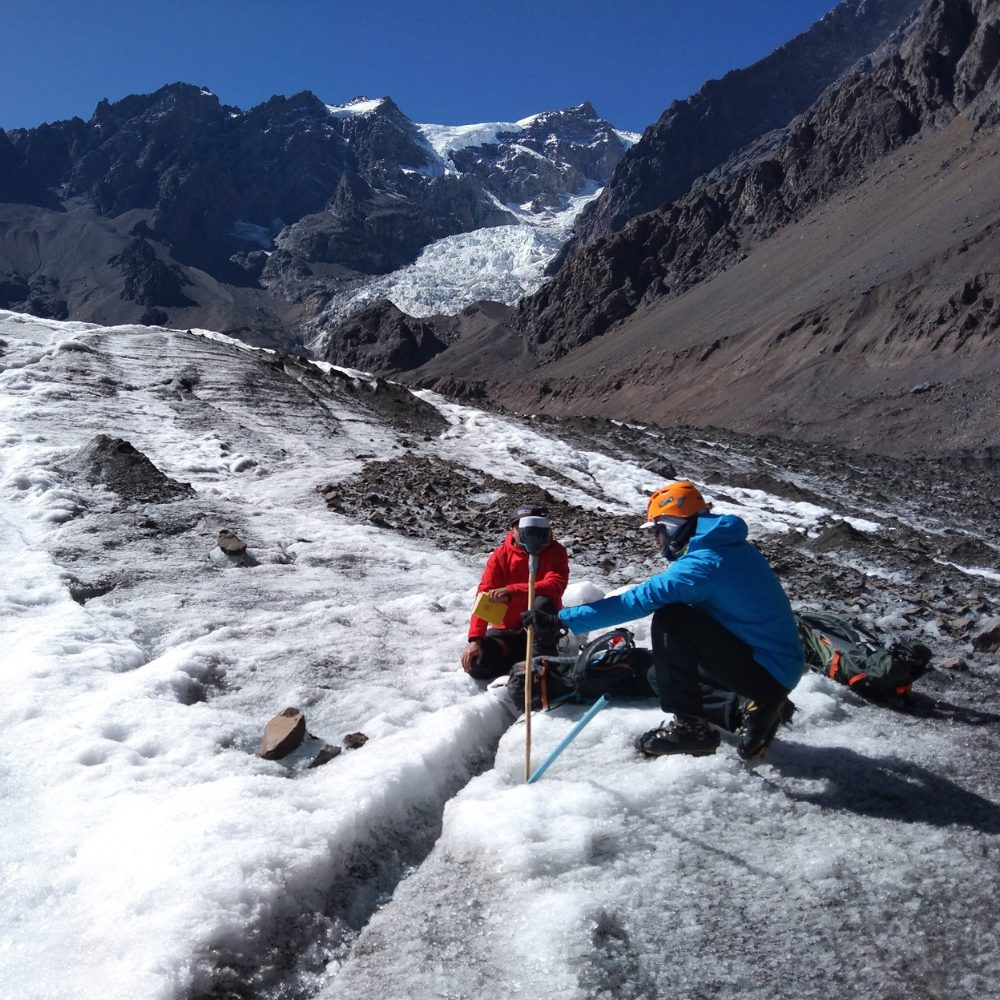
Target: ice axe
[534, 533]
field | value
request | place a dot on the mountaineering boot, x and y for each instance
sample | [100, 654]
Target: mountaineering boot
[760, 722]
[691, 736]
[740, 714]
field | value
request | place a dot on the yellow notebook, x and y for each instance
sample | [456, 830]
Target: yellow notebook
[490, 611]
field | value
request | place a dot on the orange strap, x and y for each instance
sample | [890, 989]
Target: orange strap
[834, 664]
[856, 679]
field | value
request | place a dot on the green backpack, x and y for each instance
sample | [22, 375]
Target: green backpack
[853, 656]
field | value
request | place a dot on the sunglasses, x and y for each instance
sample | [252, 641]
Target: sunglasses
[666, 529]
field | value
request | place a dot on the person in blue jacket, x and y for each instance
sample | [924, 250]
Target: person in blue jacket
[722, 624]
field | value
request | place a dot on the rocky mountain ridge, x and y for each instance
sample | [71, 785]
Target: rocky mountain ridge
[278, 209]
[942, 67]
[835, 279]
[696, 135]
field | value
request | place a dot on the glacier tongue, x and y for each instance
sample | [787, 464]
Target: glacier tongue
[499, 264]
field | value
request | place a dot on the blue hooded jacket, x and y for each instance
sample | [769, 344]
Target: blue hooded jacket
[722, 575]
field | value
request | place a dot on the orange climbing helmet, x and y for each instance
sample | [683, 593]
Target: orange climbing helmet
[680, 499]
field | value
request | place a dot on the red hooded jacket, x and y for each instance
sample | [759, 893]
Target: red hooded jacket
[508, 567]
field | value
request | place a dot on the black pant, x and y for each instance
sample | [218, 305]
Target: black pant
[502, 648]
[702, 669]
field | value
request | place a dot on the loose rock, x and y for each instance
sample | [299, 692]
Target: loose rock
[987, 637]
[231, 543]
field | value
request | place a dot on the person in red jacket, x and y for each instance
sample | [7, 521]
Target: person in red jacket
[492, 652]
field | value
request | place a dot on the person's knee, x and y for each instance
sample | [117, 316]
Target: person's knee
[485, 671]
[494, 660]
[546, 639]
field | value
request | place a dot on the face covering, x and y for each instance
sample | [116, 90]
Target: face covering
[673, 535]
[533, 533]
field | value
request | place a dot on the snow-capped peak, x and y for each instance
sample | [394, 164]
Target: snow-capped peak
[356, 106]
[446, 139]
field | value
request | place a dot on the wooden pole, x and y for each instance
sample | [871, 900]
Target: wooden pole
[528, 672]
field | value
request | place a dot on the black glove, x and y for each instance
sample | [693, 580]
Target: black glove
[541, 620]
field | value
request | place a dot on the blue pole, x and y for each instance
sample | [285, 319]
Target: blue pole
[569, 737]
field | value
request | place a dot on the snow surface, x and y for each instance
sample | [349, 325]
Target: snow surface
[149, 853]
[631, 138]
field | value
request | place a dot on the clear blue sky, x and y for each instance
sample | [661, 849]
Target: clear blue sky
[442, 61]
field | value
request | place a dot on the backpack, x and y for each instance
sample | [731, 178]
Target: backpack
[853, 656]
[611, 664]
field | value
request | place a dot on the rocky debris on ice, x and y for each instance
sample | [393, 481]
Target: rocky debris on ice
[120, 467]
[873, 566]
[987, 636]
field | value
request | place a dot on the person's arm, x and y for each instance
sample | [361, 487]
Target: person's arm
[687, 581]
[493, 576]
[552, 583]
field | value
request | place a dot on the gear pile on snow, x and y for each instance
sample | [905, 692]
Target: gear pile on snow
[609, 665]
[853, 656]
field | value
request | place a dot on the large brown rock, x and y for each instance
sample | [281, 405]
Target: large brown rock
[231, 543]
[283, 734]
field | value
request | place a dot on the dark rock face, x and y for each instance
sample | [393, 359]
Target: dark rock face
[14, 289]
[375, 231]
[383, 339]
[44, 298]
[914, 86]
[148, 280]
[39, 295]
[694, 136]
